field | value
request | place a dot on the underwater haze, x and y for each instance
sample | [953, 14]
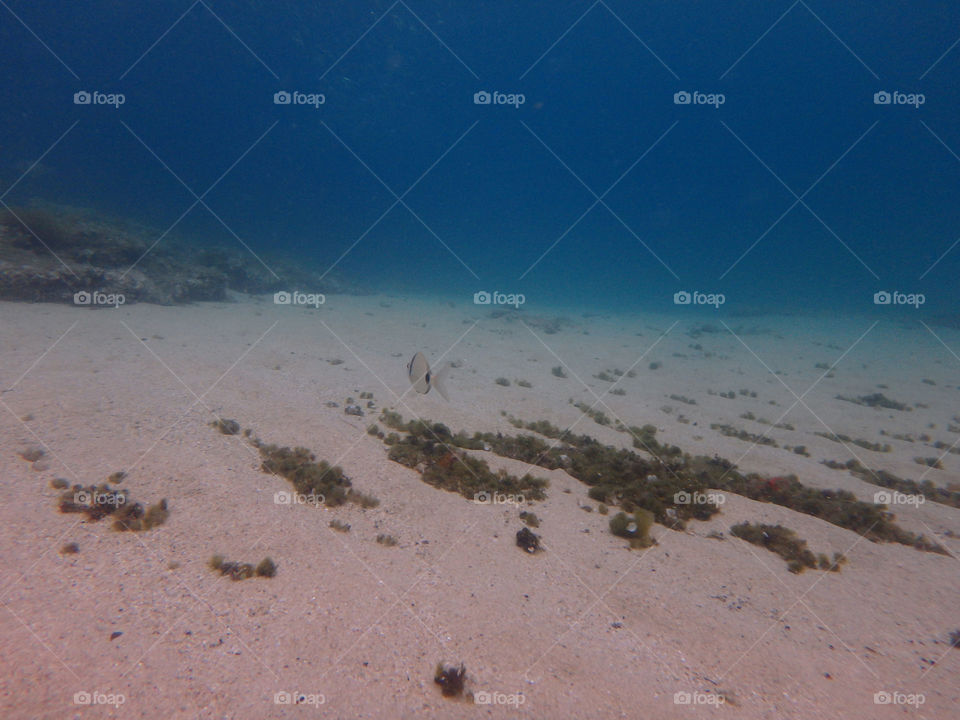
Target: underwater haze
[782, 184]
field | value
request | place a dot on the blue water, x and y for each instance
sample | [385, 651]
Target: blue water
[599, 191]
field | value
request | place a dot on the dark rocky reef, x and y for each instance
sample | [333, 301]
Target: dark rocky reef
[50, 252]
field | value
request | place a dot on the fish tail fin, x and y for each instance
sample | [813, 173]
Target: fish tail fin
[438, 381]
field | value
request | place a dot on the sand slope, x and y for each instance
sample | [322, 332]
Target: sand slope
[586, 629]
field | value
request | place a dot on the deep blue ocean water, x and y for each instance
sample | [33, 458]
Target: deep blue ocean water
[802, 191]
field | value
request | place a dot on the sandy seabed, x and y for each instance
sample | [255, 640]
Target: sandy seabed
[585, 629]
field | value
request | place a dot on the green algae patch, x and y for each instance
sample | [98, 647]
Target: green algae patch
[635, 528]
[308, 475]
[312, 477]
[780, 540]
[883, 478]
[440, 458]
[673, 485]
[242, 571]
[100, 501]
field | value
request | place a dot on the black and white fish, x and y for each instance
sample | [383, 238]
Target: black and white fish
[422, 379]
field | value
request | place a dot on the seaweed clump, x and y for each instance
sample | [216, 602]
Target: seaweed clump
[432, 450]
[528, 540]
[309, 476]
[886, 479]
[598, 416]
[876, 400]
[227, 427]
[99, 501]
[859, 442]
[825, 563]
[266, 568]
[617, 475]
[530, 518]
[730, 431]
[837, 507]
[32, 454]
[133, 517]
[450, 679]
[243, 571]
[636, 528]
[669, 483]
[783, 541]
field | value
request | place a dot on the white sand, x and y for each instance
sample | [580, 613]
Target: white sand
[363, 624]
